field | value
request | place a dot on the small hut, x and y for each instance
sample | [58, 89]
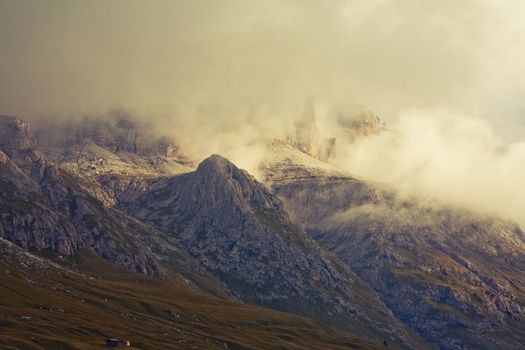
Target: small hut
[112, 342]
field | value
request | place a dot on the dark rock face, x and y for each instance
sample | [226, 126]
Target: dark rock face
[455, 277]
[241, 233]
[311, 198]
[305, 137]
[449, 275]
[26, 217]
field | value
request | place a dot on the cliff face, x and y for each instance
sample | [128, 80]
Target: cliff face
[312, 190]
[117, 144]
[112, 156]
[305, 137]
[14, 134]
[455, 277]
[27, 219]
[115, 132]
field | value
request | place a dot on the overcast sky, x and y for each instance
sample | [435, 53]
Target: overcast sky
[67, 57]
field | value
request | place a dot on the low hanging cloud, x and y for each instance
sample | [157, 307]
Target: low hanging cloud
[453, 158]
[222, 76]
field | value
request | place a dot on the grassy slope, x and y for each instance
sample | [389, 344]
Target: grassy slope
[79, 311]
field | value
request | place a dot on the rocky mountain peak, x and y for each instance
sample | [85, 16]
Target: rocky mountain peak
[240, 232]
[216, 184]
[216, 163]
[15, 134]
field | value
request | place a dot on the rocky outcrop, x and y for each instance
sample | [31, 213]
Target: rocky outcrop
[312, 190]
[305, 137]
[26, 217]
[356, 121]
[353, 123]
[14, 134]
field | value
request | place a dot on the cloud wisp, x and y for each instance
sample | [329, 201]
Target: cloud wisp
[453, 158]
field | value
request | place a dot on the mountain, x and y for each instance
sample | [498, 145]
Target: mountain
[240, 232]
[105, 211]
[112, 154]
[43, 207]
[242, 246]
[454, 276]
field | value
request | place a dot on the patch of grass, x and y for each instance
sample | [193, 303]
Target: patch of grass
[53, 309]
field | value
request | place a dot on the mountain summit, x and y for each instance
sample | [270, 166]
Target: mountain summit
[241, 233]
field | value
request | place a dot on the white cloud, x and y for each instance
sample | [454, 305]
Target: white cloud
[454, 158]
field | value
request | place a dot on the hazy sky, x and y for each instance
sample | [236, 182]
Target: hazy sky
[69, 56]
[447, 75]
